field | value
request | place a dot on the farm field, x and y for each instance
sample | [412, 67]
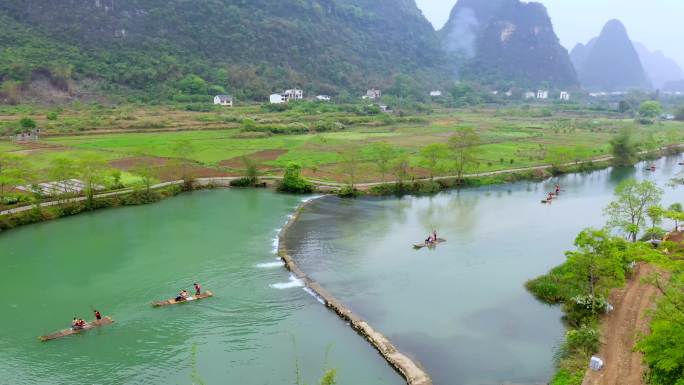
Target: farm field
[124, 136]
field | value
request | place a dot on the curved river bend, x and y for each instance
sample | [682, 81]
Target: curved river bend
[461, 309]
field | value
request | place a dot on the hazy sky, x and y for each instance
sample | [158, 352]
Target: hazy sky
[659, 24]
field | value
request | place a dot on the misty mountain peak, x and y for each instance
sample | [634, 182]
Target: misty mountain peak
[610, 62]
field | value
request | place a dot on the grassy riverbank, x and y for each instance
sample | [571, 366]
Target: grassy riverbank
[600, 264]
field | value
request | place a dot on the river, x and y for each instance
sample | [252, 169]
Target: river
[257, 329]
[460, 309]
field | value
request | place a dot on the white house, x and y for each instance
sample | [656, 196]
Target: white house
[277, 99]
[293, 94]
[372, 94]
[564, 96]
[509, 93]
[385, 108]
[323, 98]
[436, 94]
[530, 95]
[542, 94]
[223, 100]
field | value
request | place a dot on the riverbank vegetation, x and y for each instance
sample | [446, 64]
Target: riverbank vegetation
[602, 261]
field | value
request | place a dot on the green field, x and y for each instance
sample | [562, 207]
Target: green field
[510, 138]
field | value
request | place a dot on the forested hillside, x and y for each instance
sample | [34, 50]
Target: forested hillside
[248, 48]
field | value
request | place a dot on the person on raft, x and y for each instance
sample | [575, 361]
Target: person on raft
[182, 296]
[98, 316]
[428, 241]
[557, 189]
[434, 235]
[77, 324]
[198, 288]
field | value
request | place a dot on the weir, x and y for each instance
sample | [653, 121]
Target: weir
[411, 370]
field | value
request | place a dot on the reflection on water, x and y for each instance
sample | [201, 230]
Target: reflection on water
[461, 308]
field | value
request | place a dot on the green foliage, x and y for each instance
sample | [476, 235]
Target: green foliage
[627, 213]
[211, 46]
[13, 172]
[293, 182]
[465, 149]
[650, 109]
[623, 148]
[27, 124]
[51, 116]
[383, 154]
[663, 348]
[433, 157]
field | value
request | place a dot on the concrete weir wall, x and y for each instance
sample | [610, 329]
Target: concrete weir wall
[411, 370]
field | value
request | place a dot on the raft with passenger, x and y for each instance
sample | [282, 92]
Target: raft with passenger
[68, 332]
[430, 244]
[176, 301]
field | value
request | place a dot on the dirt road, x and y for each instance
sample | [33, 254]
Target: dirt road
[619, 329]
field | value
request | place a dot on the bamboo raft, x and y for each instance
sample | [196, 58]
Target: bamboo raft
[173, 301]
[433, 244]
[67, 332]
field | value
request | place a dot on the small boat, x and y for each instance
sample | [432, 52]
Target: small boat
[681, 163]
[67, 332]
[173, 301]
[652, 167]
[433, 244]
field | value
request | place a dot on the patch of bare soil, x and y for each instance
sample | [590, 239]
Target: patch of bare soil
[619, 329]
[260, 156]
[130, 163]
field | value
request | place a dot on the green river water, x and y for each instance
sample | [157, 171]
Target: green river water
[120, 260]
[460, 309]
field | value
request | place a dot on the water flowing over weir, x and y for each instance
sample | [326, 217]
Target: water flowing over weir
[461, 309]
[409, 369]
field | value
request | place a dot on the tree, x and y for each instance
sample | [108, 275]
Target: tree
[674, 213]
[401, 166]
[293, 181]
[627, 212]
[623, 148]
[13, 171]
[92, 171]
[61, 170]
[432, 157]
[679, 115]
[182, 151]
[27, 124]
[464, 146]
[193, 85]
[624, 106]
[650, 109]
[351, 161]
[147, 173]
[597, 263]
[251, 170]
[655, 213]
[383, 154]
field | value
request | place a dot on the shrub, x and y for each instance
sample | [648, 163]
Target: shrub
[583, 309]
[27, 124]
[52, 116]
[348, 192]
[242, 182]
[293, 182]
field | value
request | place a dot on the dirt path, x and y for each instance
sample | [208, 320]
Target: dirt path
[619, 329]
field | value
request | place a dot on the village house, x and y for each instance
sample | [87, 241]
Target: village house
[323, 98]
[530, 95]
[223, 100]
[436, 94]
[542, 94]
[286, 96]
[27, 136]
[372, 94]
[293, 94]
[564, 96]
